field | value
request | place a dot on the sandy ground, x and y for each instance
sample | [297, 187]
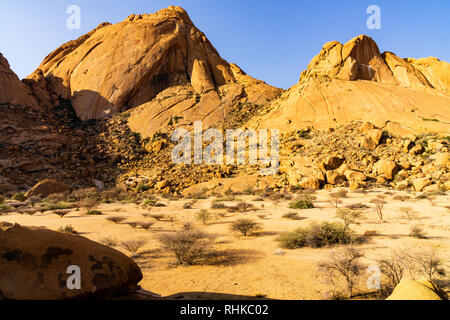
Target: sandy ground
[256, 266]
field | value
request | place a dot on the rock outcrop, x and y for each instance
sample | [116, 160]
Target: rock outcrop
[12, 90]
[354, 81]
[409, 289]
[47, 187]
[126, 65]
[34, 265]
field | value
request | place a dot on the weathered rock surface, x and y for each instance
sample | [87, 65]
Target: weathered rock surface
[162, 55]
[409, 289]
[354, 81]
[47, 187]
[34, 262]
[12, 90]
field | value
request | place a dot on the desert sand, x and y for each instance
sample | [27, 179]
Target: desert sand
[256, 266]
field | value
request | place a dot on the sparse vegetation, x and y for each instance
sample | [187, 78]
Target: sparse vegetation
[203, 216]
[379, 207]
[292, 216]
[417, 232]
[245, 226]
[68, 229]
[317, 236]
[301, 204]
[19, 197]
[116, 219]
[146, 225]
[343, 266]
[133, 246]
[188, 246]
[348, 216]
[108, 241]
[337, 196]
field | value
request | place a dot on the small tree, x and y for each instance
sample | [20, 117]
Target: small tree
[379, 207]
[245, 226]
[203, 216]
[344, 265]
[394, 268]
[337, 196]
[348, 216]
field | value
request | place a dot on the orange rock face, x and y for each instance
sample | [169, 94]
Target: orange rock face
[11, 89]
[118, 67]
[354, 81]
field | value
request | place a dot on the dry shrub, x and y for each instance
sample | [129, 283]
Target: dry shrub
[379, 207]
[417, 232]
[108, 241]
[146, 225]
[188, 246]
[133, 245]
[292, 216]
[245, 226]
[317, 236]
[116, 219]
[343, 267]
[68, 229]
[203, 216]
[61, 213]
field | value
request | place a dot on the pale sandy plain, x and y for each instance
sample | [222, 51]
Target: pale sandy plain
[255, 266]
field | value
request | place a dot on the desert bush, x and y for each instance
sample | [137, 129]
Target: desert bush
[337, 196]
[348, 216]
[146, 215]
[426, 264]
[61, 213]
[133, 246]
[294, 239]
[146, 225]
[34, 199]
[187, 226]
[188, 205]
[19, 197]
[218, 205]
[409, 212]
[94, 213]
[203, 216]
[343, 266]
[158, 216]
[358, 205]
[291, 216]
[188, 246]
[301, 204]
[401, 198]
[87, 203]
[116, 219]
[56, 197]
[393, 268]
[262, 216]
[56, 206]
[317, 236]
[417, 232]
[4, 208]
[245, 226]
[108, 241]
[132, 224]
[379, 207]
[68, 229]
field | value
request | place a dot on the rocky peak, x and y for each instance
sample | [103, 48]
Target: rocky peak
[118, 67]
[12, 90]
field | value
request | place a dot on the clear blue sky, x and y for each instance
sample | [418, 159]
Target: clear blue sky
[271, 40]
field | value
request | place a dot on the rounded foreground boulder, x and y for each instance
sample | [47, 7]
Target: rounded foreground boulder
[409, 289]
[41, 264]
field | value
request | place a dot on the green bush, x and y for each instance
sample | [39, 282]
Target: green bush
[19, 197]
[301, 204]
[245, 226]
[317, 236]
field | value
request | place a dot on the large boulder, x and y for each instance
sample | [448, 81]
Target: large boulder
[387, 168]
[409, 289]
[34, 265]
[47, 187]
